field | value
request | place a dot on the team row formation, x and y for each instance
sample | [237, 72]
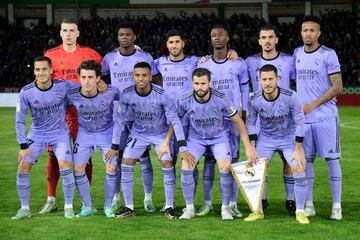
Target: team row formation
[215, 91]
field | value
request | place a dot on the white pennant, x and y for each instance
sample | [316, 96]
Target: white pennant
[250, 180]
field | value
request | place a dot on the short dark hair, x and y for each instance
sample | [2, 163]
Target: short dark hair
[126, 24]
[174, 32]
[70, 21]
[199, 72]
[90, 65]
[311, 18]
[143, 65]
[43, 58]
[222, 26]
[269, 68]
[268, 27]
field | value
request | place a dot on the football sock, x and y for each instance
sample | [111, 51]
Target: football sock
[188, 186]
[310, 176]
[127, 182]
[289, 186]
[335, 179]
[23, 188]
[83, 187]
[68, 185]
[226, 181]
[169, 185]
[110, 185]
[146, 174]
[300, 190]
[208, 178]
[52, 173]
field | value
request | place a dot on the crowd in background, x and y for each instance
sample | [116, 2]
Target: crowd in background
[19, 45]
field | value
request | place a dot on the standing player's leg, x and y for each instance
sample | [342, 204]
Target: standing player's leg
[169, 176]
[147, 175]
[53, 174]
[23, 178]
[222, 153]
[289, 186]
[208, 183]
[133, 151]
[62, 150]
[110, 179]
[235, 150]
[309, 147]
[187, 179]
[82, 152]
[327, 138]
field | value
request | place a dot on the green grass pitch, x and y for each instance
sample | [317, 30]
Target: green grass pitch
[277, 223]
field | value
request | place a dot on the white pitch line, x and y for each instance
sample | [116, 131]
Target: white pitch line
[346, 125]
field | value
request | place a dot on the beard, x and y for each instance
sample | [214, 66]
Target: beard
[202, 93]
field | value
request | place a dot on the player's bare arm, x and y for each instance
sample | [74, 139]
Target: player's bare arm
[336, 88]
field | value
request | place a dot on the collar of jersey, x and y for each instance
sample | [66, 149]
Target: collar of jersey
[97, 92]
[175, 61]
[141, 95]
[202, 102]
[274, 98]
[127, 55]
[44, 90]
[270, 59]
[312, 50]
[212, 57]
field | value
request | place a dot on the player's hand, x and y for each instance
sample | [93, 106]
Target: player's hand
[23, 153]
[164, 148]
[204, 59]
[308, 108]
[252, 156]
[300, 157]
[232, 55]
[102, 86]
[189, 158]
[111, 154]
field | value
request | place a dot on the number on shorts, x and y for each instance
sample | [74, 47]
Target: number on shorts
[76, 147]
[130, 142]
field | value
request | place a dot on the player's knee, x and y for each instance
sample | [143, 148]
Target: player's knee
[64, 164]
[79, 168]
[297, 169]
[166, 164]
[186, 166]
[224, 165]
[128, 161]
[24, 167]
[110, 167]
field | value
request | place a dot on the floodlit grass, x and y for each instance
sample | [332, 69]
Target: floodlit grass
[277, 224]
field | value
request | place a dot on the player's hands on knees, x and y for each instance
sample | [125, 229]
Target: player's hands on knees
[189, 158]
[111, 154]
[164, 148]
[101, 86]
[23, 153]
[252, 156]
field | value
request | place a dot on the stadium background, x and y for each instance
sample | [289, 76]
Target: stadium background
[28, 28]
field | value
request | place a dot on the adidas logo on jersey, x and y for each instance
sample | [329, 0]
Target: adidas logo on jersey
[331, 151]
[36, 102]
[116, 64]
[261, 110]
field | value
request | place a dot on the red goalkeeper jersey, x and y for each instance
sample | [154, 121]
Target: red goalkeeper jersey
[65, 65]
